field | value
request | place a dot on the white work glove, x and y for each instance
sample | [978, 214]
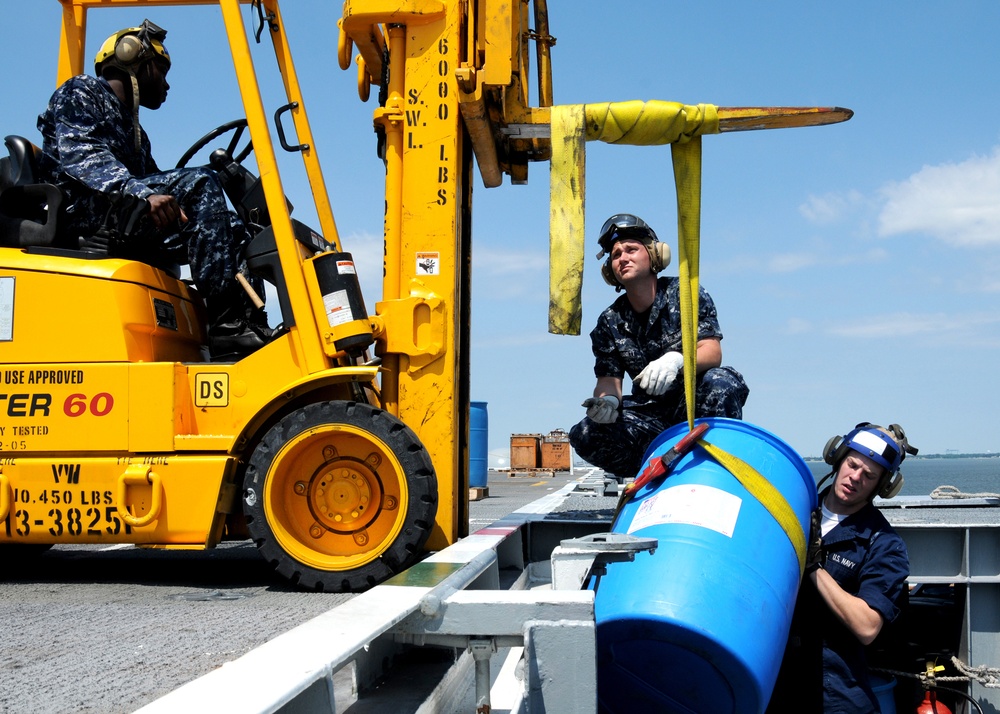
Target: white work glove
[659, 374]
[603, 410]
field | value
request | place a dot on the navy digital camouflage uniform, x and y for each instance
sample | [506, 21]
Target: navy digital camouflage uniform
[89, 151]
[624, 342]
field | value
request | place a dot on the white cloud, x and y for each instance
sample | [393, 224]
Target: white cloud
[794, 262]
[830, 207]
[510, 340]
[956, 203]
[989, 284]
[505, 275]
[797, 326]
[367, 250]
[509, 262]
[791, 262]
[907, 324]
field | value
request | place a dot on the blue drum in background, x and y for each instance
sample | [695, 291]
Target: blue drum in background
[479, 439]
[883, 692]
[700, 625]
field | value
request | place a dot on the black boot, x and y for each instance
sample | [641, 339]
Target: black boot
[234, 331]
[257, 317]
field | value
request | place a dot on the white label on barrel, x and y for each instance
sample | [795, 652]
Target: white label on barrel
[338, 308]
[691, 504]
[346, 267]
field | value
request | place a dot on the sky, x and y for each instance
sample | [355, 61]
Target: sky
[855, 267]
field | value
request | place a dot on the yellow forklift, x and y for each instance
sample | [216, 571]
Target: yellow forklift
[340, 447]
[116, 427]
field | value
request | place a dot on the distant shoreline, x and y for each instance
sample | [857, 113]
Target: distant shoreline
[985, 455]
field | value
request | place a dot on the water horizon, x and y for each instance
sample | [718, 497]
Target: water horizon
[921, 475]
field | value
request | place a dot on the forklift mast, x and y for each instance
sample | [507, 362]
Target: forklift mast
[451, 74]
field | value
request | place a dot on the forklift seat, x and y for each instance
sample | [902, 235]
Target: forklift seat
[28, 209]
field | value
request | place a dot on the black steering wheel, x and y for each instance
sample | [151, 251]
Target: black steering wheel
[237, 126]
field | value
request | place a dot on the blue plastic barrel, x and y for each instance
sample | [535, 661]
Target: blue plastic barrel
[883, 693]
[700, 625]
[478, 444]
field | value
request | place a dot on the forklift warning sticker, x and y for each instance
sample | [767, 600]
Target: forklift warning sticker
[703, 506]
[346, 267]
[428, 263]
[6, 309]
[338, 308]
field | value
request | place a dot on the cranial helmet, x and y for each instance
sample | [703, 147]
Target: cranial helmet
[887, 447]
[625, 225]
[129, 48]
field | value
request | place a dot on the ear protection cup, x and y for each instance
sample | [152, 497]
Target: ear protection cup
[659, 255]
[608, 274]
[129, 49]
[892, 486]
[830, 455]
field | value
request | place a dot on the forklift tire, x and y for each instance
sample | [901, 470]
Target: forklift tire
[339, 496]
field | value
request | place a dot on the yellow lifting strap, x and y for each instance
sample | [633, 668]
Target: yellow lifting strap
[567, 189]
[637, 123]
[687, 176]
[768, 496]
